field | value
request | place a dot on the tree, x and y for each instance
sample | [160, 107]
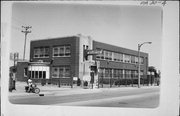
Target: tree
[153, 69]
[156, 77]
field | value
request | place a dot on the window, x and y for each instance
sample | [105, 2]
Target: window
[115, 56]
[127, 58]
[141, 73]
[136, 74]
[133, 72]
[40, 74]
[55, 72]
[98, 56]
[67, 50]
[141, 60]
[41, 52]
[67, 72]
[37, 72]
[136, 59]
[102, 72]
[106, 55]
[61, 72]
[132, 59]
[25, 72]
[120, 73]
[61, 51]
[110, 55]
[44, 74]
[127, 74]
[102, 55]
[115, 73]
[46, 52]
[106, 73]
[55, 51]
[120, 57]
[36, 53]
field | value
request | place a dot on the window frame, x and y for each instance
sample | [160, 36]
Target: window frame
[41, 52]
[62, 51]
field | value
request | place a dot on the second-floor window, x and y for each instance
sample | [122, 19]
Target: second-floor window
[61, 51]
[41, 52]
[127, 58]
[141, 60]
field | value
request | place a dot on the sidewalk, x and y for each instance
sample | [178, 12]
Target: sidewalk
[67, 90]
[50, 90]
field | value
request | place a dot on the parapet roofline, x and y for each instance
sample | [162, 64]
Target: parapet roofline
[121, 47]
[53, 38]
[80, 35]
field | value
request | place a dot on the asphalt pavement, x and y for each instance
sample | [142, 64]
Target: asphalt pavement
[146, 96]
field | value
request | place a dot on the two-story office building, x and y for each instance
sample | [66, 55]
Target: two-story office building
[64, 59]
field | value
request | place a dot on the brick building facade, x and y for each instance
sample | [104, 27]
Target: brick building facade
[60, 60]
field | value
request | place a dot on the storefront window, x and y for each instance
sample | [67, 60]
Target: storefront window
[38, 72]
[44, 74]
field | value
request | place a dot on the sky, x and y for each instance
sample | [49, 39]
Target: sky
[119, 25]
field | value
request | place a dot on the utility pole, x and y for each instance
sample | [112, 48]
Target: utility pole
[25, 31]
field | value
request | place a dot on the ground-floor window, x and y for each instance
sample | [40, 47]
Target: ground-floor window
[108, 73]
[127, 74]
[39, 72]
[119, 73]
[61, 72]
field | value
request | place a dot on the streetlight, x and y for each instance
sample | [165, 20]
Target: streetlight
[139, 46]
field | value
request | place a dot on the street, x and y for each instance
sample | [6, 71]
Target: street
[114, 97]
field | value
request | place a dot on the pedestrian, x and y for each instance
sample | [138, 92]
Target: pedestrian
[29, 85]
[14, 80]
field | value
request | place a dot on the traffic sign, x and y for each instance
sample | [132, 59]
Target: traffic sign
[94, 52]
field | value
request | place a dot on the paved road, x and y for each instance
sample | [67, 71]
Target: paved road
[139, 101]
[105, 98]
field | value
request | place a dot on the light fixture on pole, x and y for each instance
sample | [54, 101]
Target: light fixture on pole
[139, 68]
